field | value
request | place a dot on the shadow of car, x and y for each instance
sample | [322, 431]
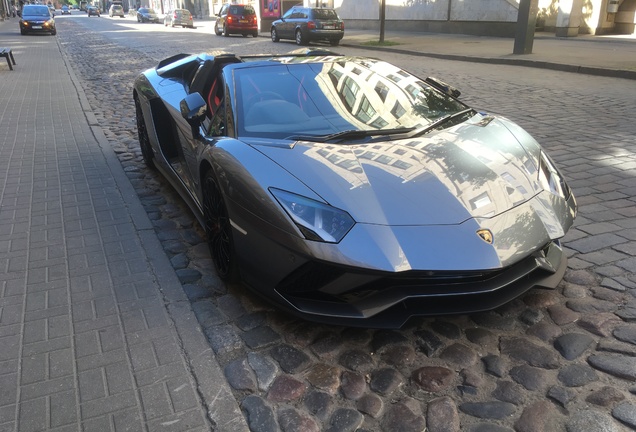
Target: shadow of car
[178, 17]
[147, 15]
[236, 19]
[37, 19]
[306, 24]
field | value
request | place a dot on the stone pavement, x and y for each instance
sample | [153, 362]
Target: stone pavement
[96, 333]
[286, 374]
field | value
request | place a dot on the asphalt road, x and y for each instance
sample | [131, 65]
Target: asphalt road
[550, 361]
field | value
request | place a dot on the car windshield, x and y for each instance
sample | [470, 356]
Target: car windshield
[325, 14]
[151, 11]
[36, 11]
[361, 98]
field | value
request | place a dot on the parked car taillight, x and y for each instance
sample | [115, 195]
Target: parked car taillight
[229, 19]
[342, 25]
[311, 25]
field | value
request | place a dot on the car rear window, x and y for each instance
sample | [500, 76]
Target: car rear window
[325, 14]
[242, 10]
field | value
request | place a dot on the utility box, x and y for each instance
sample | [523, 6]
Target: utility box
[612, 6]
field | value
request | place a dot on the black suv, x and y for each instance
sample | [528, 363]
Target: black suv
[304, 25]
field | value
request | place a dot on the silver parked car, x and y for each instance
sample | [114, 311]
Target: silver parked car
[347, 190]
[178, 17]
[116, 10]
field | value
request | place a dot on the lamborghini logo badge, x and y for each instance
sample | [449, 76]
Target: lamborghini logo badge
[486, 235]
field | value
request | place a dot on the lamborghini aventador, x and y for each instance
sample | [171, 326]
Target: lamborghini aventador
[347, 190]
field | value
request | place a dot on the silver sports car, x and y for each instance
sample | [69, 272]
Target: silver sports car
[347, 190]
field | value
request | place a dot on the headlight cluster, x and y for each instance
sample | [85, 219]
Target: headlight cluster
[551, 179]
[317, 221]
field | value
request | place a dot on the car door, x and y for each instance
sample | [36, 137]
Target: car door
[222, 16]
[285, 31]
[209, 83]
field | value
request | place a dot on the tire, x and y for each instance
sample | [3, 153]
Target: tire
[300, 40]
[218, 229]
[244, 34]
[226, 31]
[255, 34]
[216, 29]
[22, 32]
[334, 42]
[275, 37]
[54, 32]
[144, 140]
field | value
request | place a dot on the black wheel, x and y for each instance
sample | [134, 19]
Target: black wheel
[226, 31]
[244, 34]
[334, 42]
[144, 140]
[255, 34]
[275, 37]
[54, 32]
[300, 40]
[218, 229]
[216, 29]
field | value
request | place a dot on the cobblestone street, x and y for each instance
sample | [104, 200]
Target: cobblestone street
[562, 360]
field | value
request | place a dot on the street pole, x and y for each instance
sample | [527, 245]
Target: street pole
[526, 22]
[382, 17]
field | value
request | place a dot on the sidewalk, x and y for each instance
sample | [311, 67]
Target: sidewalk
[612, 56]
[96, 332]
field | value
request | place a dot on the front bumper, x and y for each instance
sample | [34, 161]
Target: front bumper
[37, 27]
[388, 300]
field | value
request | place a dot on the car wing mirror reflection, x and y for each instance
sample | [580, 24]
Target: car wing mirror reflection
[193, 107]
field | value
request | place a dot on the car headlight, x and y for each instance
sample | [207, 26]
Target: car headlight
[551, 179]
[317, 221]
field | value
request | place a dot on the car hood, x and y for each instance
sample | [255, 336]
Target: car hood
[35, 18]
[476, 169]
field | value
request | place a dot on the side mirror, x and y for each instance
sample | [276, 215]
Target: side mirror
[193, 107]
[441, 85]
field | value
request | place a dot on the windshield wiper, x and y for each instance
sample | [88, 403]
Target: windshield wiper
[440, 121]
[349, 134]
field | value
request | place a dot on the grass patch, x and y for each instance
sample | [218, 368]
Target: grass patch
[379, 44]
